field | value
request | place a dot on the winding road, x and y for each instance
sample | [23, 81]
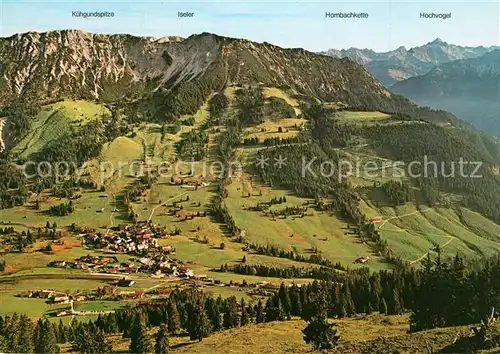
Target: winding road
[450, 238]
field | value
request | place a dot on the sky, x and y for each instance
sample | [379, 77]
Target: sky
[302, 23]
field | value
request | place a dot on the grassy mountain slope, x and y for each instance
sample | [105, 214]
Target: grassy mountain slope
[56, 120]
[364, 334]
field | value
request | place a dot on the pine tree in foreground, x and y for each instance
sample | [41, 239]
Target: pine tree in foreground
[140, 341]
[174, 321]
[320, 334]
[162, 343]
[200, 326]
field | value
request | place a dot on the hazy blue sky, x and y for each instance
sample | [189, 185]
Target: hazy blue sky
[289, 24]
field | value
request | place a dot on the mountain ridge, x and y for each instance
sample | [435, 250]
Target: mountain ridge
[401, 63]
[109, 68]
[469, 88]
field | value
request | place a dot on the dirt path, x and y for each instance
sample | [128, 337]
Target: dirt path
[401, 216]
[450, 238]
[111, 223]
[168, 200]
[2, 125]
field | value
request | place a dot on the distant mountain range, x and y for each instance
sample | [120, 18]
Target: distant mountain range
[469, 88]
[401, 63]
[462, 80]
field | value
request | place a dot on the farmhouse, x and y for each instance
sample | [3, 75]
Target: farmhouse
[362, 259]
[59, 299]
[63, 313]
[125, 282]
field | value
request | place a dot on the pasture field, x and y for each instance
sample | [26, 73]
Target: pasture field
[33, 308]
[56, 120]
[317, 230]
[93, 209]
[412, 232]
[11, 286]
[270, 128]
[101, 305]
[362, 117]
[275, 92]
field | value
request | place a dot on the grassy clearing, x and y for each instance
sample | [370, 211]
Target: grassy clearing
[37, 307]
[226, 291]
[101, 305]
[281, 128]
[32, 258]
[87, 211]
[34, 308]
[56, 120]
[361, 117]
[276, 92]
[227, 277]
[363, 334]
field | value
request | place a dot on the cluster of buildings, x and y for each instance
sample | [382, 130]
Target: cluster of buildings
[111, 291]
[161, 264]
[89, 262]
[130, 239]
[52, 296]
[140, 241]
[158, 265]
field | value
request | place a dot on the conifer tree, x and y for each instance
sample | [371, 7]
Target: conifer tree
[111, 324]
[342, 312]
[244, 319]
[320, 334]
[91, 339]
[295, 301]
[61, 332]
[213, 308]
[101, 343]
[274, 310]
[395, 307]
[55, 329]
[27, 330]
[259, 312]
[4, 346]
[174, 322]
[12, 333]
[70, 330]
[200, 326]
[162, 345]
[382, 308]
[284, 297]
[231, 313]
[46, 341]
[349, 303]
[140, 342]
